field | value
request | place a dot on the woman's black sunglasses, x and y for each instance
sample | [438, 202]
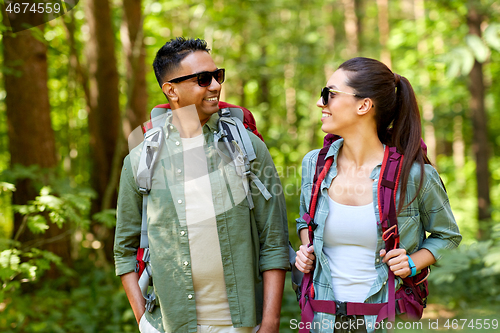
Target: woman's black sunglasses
[204, 78]
[325, 94]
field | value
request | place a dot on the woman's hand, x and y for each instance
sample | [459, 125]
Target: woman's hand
[305, 258]
[397, 260]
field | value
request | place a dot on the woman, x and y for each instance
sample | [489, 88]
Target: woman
[369, 107]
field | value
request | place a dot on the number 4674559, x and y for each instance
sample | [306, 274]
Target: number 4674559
[477, 324]
[40, 8]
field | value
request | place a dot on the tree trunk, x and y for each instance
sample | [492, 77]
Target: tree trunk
[480, 137]
[31, 137]
[133, 44]
[104, 116]
[351, 27]
[458, 149]
[383, 29]
[427, 107]
[104, 109]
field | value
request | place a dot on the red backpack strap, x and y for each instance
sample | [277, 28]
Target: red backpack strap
[387, 189]
[248, 119]
[323, 164]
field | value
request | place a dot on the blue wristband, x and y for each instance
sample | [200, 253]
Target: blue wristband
[412, 267]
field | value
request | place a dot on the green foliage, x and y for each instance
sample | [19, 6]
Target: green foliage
[94, 304]
[470, 275]
[20, 263]
[17, 266]
[106, 217]
[65, 208]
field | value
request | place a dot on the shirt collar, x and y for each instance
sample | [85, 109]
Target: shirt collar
[211, 123]
[335, 149]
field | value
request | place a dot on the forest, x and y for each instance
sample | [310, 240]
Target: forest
[73, 89]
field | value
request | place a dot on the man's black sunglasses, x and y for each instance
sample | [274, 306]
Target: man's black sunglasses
[325, 94]
[204, 78]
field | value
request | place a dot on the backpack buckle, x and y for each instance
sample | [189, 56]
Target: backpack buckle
[312, 225]
[340, 308]
[144, 190]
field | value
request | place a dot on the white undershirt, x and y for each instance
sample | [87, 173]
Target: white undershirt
[350, 242]
[212, 307]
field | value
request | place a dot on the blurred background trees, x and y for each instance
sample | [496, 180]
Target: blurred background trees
[72, 90]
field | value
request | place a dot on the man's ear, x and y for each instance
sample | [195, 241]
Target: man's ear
[170, 91]
[365, 105]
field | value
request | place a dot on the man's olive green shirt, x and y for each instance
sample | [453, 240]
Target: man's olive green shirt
[251, 241]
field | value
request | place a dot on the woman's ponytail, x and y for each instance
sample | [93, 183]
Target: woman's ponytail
[407, 134]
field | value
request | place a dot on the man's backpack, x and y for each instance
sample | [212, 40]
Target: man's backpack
[411, 297]
[234, 124]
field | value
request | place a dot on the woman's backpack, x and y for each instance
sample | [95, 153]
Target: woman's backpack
[411, 297]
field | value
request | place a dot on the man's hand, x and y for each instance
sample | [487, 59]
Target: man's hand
[274, 281]
[130, 283]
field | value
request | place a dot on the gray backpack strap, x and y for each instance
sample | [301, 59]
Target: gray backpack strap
[239, 133]
[145, 282]
[159, 116]
[151, 147]
[238, 149]
[144, 224]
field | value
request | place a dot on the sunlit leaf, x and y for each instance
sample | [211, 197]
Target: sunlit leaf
[37, 224]
[9, 259]
[477, 47]
[492, 36]
[460, 62]
[7, 187]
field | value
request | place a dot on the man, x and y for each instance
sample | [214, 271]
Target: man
[217, 265]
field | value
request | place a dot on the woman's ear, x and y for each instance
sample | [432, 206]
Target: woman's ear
[170, 91]
[365, 106]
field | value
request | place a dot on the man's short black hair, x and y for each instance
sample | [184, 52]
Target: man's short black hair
[171, 54]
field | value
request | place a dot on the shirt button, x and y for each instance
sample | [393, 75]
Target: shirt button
[186, 263]
[376, 207]
[182, 233]
[179, 170]
[378, 260]
[177, 143]
[385, 283]
[190, 296]
[179, 201]
[171, 126]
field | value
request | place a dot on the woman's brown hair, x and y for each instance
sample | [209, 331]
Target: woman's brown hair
[397, 114]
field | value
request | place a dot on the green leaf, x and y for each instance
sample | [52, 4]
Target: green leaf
[7, 187]
[460, 61]
[57, 219]
[50, 201]
[45, 190]
[9, 259]
[37, 224]
[480, 51]
[106, 217]
[492, 36]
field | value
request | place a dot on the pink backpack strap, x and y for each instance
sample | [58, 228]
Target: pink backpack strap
[387, 189]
